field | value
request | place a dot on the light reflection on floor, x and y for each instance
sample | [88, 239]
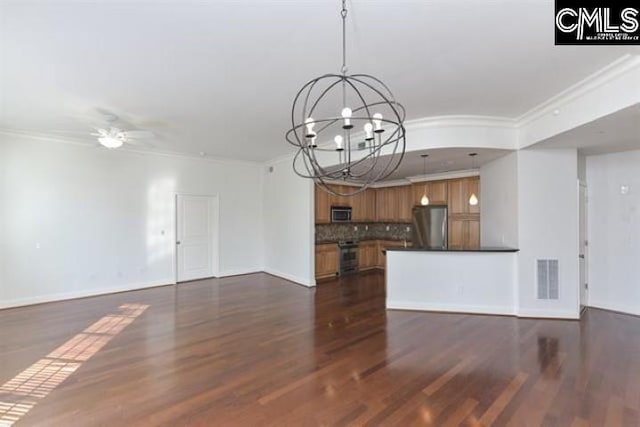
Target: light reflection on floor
[22, 392]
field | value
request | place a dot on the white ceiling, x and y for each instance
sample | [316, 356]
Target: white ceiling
[609, 134]
[219, 76]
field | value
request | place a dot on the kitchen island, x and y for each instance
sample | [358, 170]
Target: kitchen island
[467, 281]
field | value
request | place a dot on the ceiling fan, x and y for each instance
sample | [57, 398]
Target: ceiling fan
[115, 138]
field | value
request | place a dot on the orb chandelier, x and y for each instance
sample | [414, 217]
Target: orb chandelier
[347, 128]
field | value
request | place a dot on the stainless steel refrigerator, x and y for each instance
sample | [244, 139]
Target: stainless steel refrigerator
[430, 227]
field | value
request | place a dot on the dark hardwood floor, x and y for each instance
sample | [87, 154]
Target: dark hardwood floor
[256, 350]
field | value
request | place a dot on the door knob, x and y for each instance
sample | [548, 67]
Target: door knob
[178, 242]
[581, 256]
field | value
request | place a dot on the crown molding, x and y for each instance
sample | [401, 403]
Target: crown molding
[445, 175]
[622, 65]
[125, 148]
[460, 121]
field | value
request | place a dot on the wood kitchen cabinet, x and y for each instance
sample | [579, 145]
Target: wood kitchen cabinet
[464, 233]
[384, 205]
[322, 206]
[364, 206]
[393, 204]
[404, 200]
[326, 260]
[367, 254]
[459, 191]
[436, 191]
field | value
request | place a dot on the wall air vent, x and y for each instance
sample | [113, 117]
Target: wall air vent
[547, 279]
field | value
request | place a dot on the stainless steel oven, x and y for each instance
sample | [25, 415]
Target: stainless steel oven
[340, 214]
[348, 252]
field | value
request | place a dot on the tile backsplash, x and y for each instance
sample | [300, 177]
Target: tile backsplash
[365, 231]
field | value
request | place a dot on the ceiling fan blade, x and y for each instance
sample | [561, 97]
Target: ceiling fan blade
[138, 134]
[139, 144]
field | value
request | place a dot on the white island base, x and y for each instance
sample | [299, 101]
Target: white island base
[482, 281]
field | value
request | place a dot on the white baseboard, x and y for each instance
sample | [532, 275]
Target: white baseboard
[238, 272]
[19, 302]
[449, 308]
[548, 314]
[291, 277]
[616, 307]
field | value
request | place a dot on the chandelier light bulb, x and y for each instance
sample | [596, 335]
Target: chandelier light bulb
[377, 121]
[368, 131]
[339, 142]
[473, 200]
[346, 115]
[309, 123]
[425, 200]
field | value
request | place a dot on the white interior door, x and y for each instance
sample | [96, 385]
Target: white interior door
[196, 237]
[583, 245]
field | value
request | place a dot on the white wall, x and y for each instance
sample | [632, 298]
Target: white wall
[548, 228]
[81, 220]
[3, 157]
[469, 282]
[614, 231]
[288, 224]
[499, 202]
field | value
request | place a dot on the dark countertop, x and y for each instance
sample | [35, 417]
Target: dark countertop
[484, 249]
[327, 242]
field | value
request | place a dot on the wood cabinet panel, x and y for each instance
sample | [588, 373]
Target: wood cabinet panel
[464, 233]
[436, 191]
[393, 204]
[473, 238]
[367, 254]
[322, 206]
[459, 191]
[384, 205]
[404, 202]
[364, 206]
[473, 187]
[326, 260]
[458, 204]
[456, 233]
[369, 205]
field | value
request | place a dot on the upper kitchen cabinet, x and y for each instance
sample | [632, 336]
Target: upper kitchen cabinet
[436, 191]
[323, 207]
[459, 192]
[385, 209]
[364, 206]
[473, 187]
[393, 204]
[404, 196]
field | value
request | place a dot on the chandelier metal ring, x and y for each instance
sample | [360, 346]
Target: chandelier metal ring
[362, 145]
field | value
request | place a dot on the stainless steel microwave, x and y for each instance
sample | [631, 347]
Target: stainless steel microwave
[340, 214]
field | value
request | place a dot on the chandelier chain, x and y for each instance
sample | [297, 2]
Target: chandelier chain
[343, 13]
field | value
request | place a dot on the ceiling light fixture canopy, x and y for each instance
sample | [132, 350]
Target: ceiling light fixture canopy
[111, 141]
[346, 128]
[424, 201]
[473, 200]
